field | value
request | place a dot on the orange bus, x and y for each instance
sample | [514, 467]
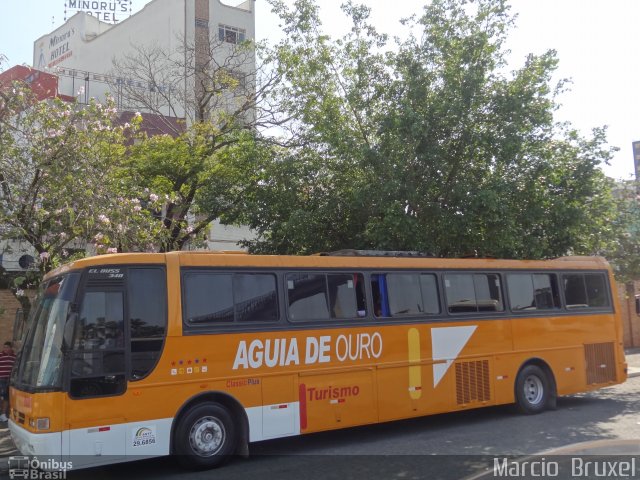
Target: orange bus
[197, 354]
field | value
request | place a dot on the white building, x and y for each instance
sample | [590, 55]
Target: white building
[82, 51]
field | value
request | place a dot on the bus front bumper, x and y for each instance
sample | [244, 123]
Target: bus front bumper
[44, 444]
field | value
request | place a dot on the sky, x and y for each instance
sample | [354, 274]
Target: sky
[597, 43]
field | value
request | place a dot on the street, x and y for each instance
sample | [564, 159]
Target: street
[438, 447]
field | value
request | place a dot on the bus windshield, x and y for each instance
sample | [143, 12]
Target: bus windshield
[40, 364]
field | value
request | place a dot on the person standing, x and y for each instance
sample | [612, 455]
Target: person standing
[7, 360]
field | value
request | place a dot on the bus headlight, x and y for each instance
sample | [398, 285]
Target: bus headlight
[39, 423]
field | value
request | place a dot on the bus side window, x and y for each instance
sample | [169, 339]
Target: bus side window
[360, 295]
[522, 292]
[529, 291]
[319, 296]
[430, 297]
[546, 291]
[207, 298]
[473, 292]
[488, 292]
[575, 293]
[596, 290]
[256, 297]
[412, 294]
[346, 295]
[405, 295]
[307, 296]
[461, 295]
[147, 296]
[380, 297]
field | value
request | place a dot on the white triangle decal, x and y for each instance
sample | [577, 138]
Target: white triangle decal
[446, 344]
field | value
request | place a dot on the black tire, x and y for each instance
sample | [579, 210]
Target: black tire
[205, 437]
[533, 390]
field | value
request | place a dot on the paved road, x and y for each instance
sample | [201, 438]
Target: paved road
[443, 446]
[438, 447]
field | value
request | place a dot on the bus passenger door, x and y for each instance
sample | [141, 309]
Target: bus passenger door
[95, 373]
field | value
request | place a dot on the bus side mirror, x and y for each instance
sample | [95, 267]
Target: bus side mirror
[69, 327]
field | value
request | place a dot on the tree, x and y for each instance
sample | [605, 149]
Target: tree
[212, 99]
[61, 184]
[206, 79]
[196, 181]
[624, 252]
[431, 145]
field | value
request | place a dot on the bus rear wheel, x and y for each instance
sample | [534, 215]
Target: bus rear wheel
[533, 390]
[205, 437]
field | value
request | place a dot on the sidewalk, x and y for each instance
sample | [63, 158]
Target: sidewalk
[633, 361]
[7, 448]
[6, 445]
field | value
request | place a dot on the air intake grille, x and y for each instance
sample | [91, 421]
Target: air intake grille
[601, 363]
[104, 283]
[472, 382]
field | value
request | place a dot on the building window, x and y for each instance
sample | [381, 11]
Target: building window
[230, 34]
[202, 23]
[231, 79]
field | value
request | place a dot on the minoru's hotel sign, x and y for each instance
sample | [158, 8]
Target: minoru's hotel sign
[111, 11]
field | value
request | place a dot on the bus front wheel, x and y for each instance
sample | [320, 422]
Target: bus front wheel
[205, 436]
[533, 390]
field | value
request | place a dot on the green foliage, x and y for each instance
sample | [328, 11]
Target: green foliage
[198, 177]
[58, 183]
[624, 251]
[431, 145]
[199, 173]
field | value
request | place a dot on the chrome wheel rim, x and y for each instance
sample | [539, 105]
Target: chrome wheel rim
[533, 389]
[207, 436]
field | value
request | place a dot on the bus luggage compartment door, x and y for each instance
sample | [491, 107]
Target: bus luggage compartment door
[280, 410]
[97, 444]
[334, 400]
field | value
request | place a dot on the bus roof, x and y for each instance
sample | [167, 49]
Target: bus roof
[244, 260]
